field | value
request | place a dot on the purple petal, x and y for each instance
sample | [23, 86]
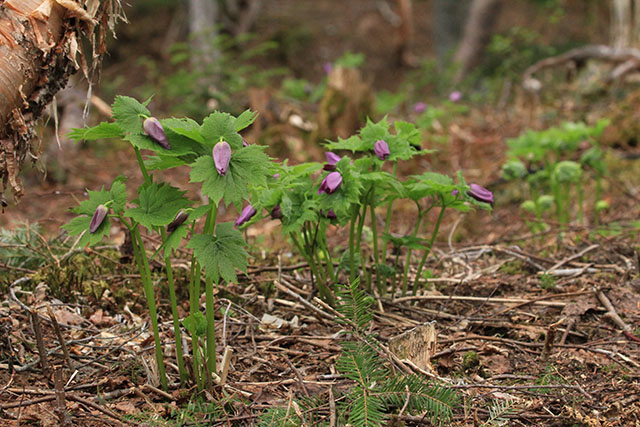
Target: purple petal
[455, 96]
[332, 158]
[222, 156]
[480, 193]
[247, 213]
[419, 107]
[154, 129]
[327, 67]
[330, 183]
[98, 217]
[180, 218]
[381, 148]
[276, 212]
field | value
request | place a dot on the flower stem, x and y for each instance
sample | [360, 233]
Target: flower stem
[174, 312]
[428, 249]
[143, 265]
[387, 221]
[374, 230]
[407, 261]
[352, 255]
[210, 300]
[143, 168]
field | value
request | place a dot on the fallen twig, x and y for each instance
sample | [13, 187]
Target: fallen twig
[615, 318]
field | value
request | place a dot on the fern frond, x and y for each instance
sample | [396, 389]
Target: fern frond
[355, 305]
[365, 409]
[423, 397]
[497, 413]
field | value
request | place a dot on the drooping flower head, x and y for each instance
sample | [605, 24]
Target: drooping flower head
[330, 183]
[276, 212]
[222, 156]
[480, 193]
[381, 148]
[247, 213]
[455, 96]
[331, 214]
[419, 107]
[98, 217]
[332, 159]
[154, 129]
[180, 218]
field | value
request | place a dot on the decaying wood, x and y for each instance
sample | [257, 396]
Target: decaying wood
[39, 50]
[629, 57]
[417, 345]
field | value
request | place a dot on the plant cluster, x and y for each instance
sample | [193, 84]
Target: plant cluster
[306, 198]
[555, 164]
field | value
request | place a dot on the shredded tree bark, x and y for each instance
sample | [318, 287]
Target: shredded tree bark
[39, 49]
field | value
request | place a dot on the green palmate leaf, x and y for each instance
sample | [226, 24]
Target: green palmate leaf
[372, 132]
[245, 120]
[163, 162]
[158, 204]
[128, 113]
[118, 193]
[219, 126]
[354, 144]
[411, 242]
[409, 132]
[196, 324]
[221, 254]
[80, 224]
[103, 130]
[249, 167]
[173, 240]
[180, 145]
[185, 127]
[429, 184]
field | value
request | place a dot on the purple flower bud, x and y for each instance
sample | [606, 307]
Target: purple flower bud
[222, 156]
[247, 213]
[330, 183]
[481, 194]
[454, 192]
[180, 218]
[455, 96]
[331, 214]
[419, 107]
[244, 143]
[276, 212]
[154, 129]
[327, 67]
[276, 175]
[98, 217]
[332, 159]
[381, 148]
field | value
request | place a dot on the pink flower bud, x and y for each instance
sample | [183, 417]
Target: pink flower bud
[330, 183]
[222, 156]
[98, 218]
[154, 129]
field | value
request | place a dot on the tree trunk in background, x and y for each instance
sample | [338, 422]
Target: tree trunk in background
[477, 35]
[405, 33]
[39, 49]
[625, 23]
[449, 17]
[203, 17]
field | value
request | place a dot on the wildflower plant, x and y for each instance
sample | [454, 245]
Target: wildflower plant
[549, 162]
[229, 171]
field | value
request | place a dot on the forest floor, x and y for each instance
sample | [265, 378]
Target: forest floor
[521, 318]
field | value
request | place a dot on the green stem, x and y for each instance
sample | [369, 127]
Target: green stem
[387, 221]
[210, 300]
[428, 249]
[143, 168]
[325, 292]
[407, 261]
[352, 257]
[174, 313]
[598, 195]
[143, 264]
[374, 230]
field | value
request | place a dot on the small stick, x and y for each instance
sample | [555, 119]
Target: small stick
[226, 361]
[572, 257]
[301, 300]
[613, 315]
[159, 392]
[333, 419]
[299, 375]
[570, 324]
[481, 299]
[61, 403]
[44, 363]
[548, 342]
[63, 344]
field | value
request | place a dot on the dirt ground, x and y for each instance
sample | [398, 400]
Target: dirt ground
[549, 345]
